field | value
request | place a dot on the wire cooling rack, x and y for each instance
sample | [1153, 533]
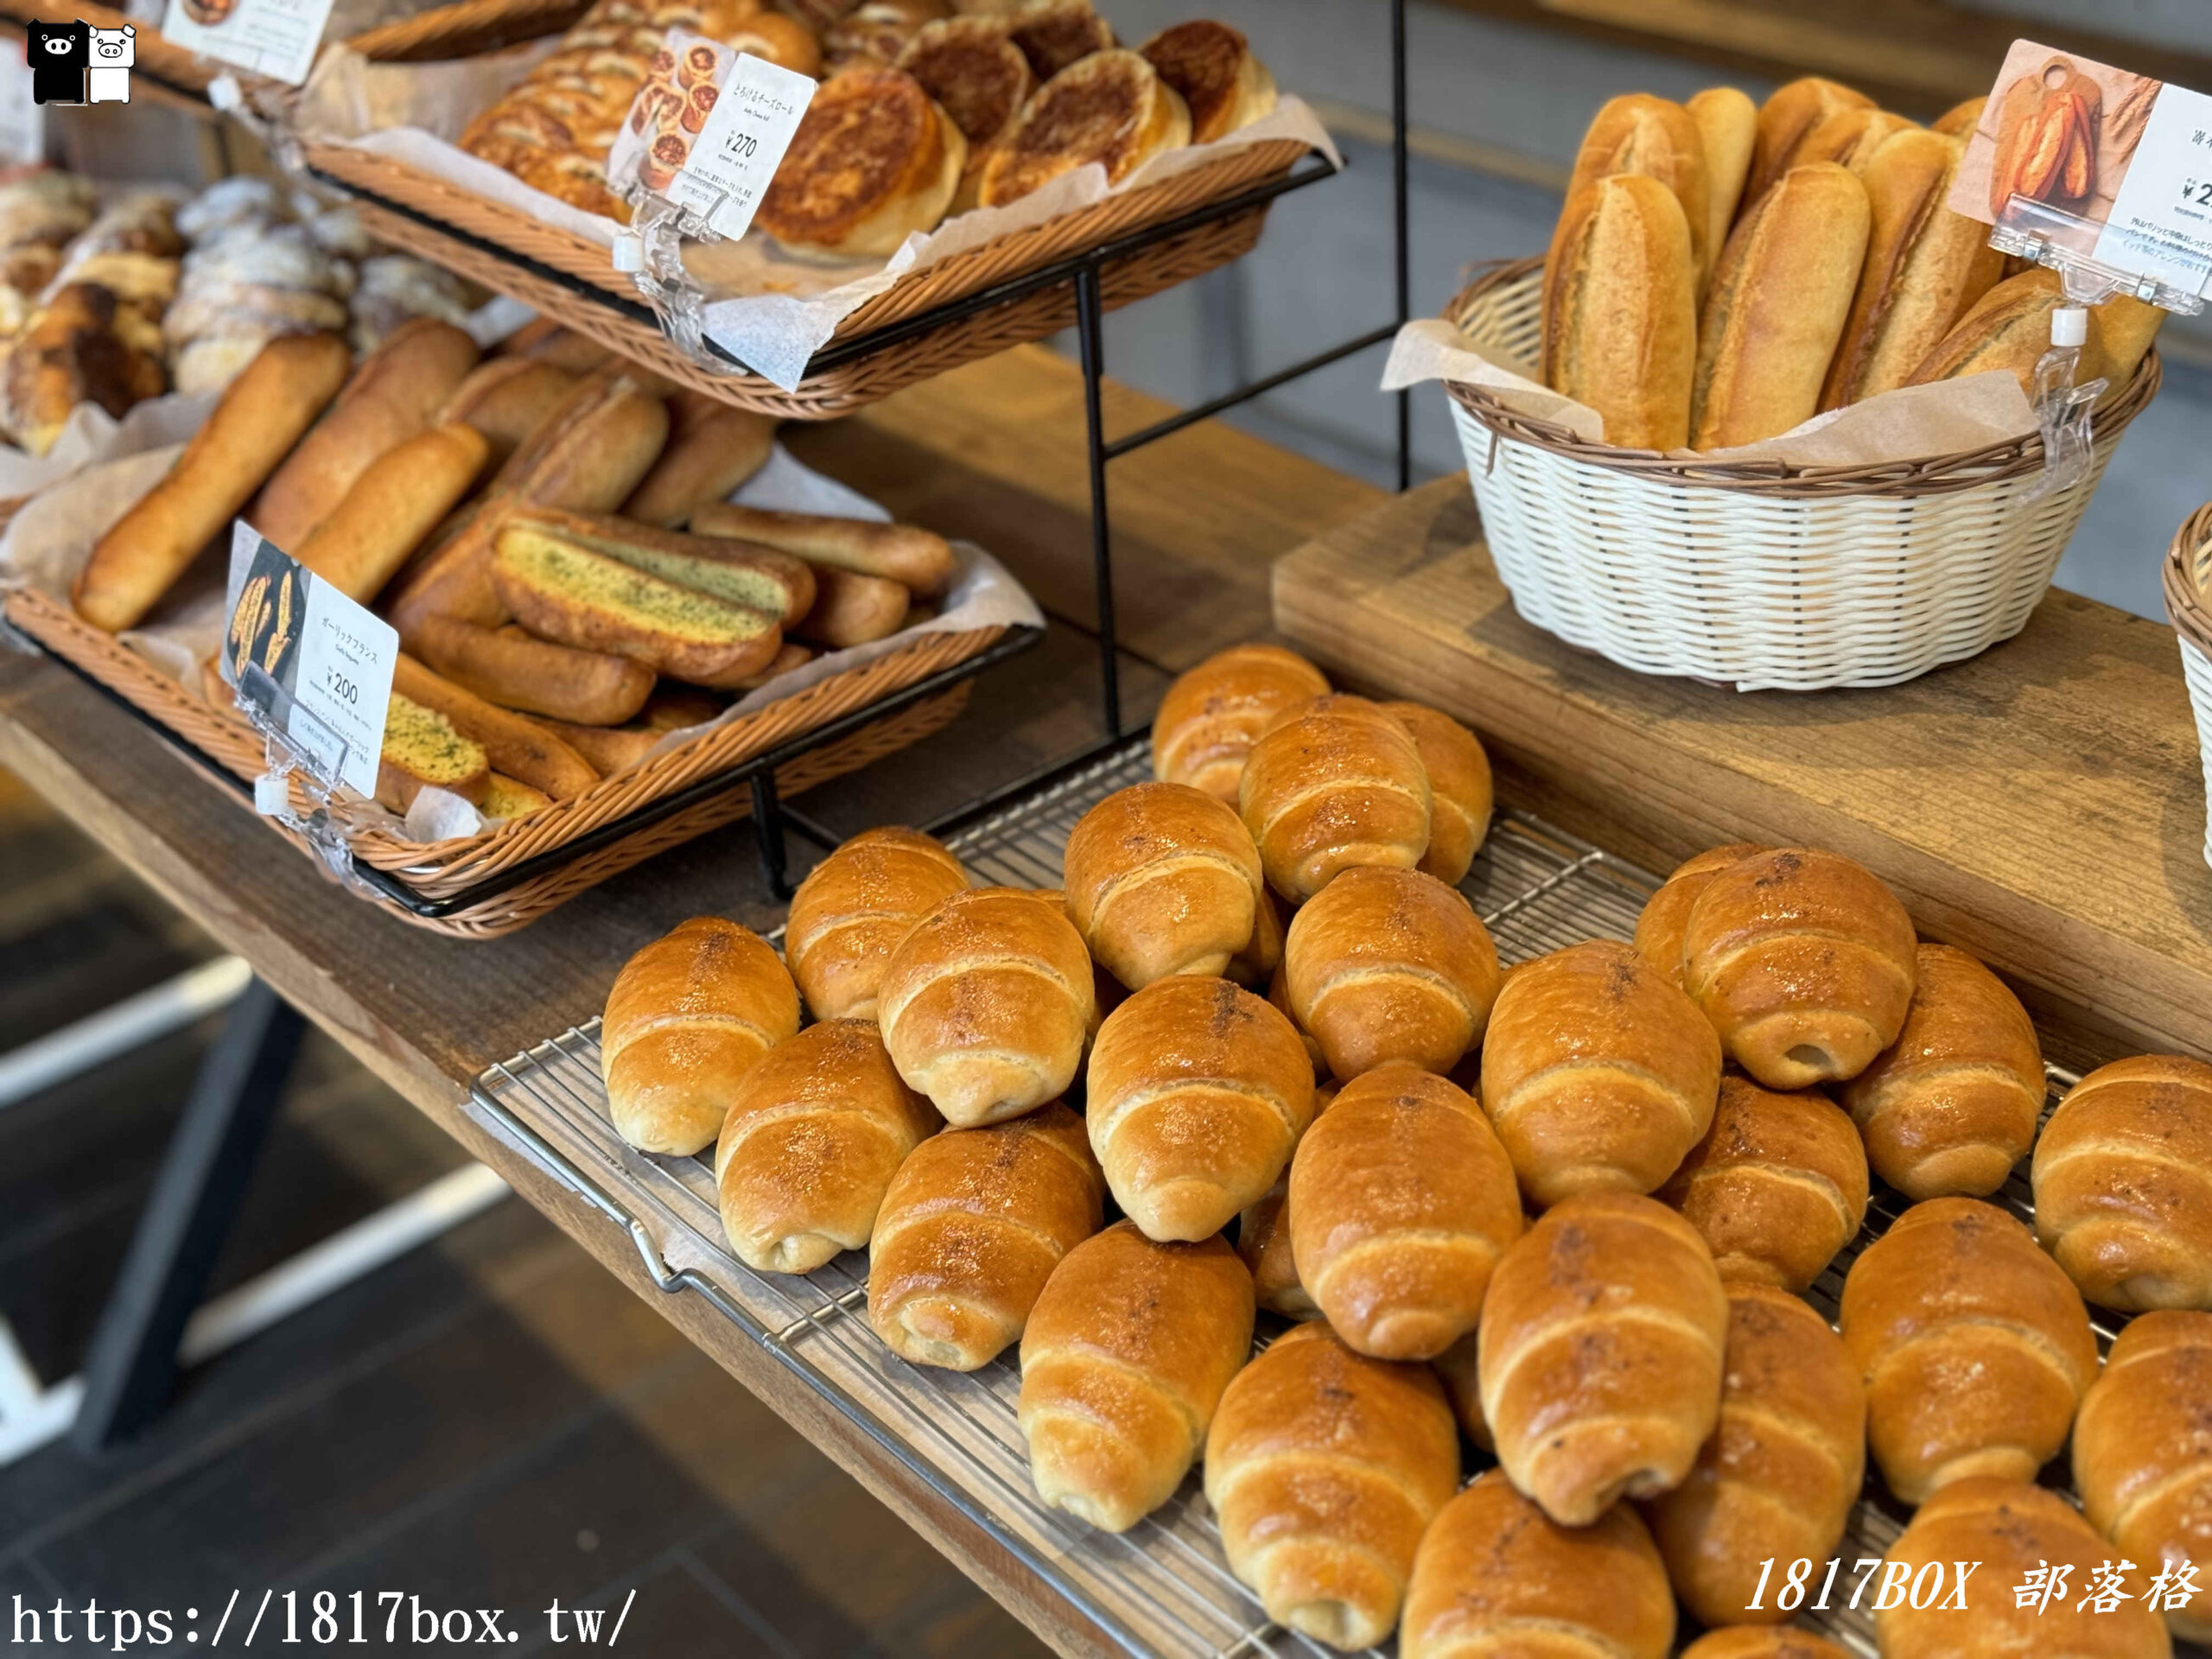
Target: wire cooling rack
[1164, 1587]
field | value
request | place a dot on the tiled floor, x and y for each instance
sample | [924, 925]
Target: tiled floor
[492, 1421]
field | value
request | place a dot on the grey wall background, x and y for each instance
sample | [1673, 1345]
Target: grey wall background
[1498, 109]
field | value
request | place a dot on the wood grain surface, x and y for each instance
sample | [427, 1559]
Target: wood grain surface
[2040, 805]
[992, 453]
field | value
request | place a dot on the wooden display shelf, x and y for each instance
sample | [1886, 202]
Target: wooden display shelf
[992, 453]
[2040, 805]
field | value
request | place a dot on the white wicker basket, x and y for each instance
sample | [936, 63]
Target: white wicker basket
[2189, 602]
[1763, 576]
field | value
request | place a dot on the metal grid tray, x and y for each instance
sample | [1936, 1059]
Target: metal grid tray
[1165, 1587]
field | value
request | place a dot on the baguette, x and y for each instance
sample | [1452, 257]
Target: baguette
[568, 594]
[1849, 139]
[1925, 265]
[1659, 139]
[793, 655]
[507, 666]
[399, 501]
[1779, 301]
[423, 751]
[2008, 330]
[849, 609]
[394, 395]
[586, 455]
[505, 398]
[259, 419]
[758, 578]
[1728, 125]
[519, 748]
[544, 340]
[1784, 119]
[712, 450]
[918, 558]
[1620, 311]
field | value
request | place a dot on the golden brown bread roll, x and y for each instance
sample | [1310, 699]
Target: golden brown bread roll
[1925, 265]
[1974, 1347]
[1125, 1358]
[1263, 1240]
[1324, 1467]
[1804, 963]
[1259, 964]
[2123, 1184]
[1601, 1354]
[986, 1005]
[1621, 311]
[1332, 785]
[1728, 128]
[1778, 1478]
[1460, 790]
[1400, 1202]
[2143, 1453]
[873, 160]
[1197, 1092]
[1600, 1074]
[1390, 965]
[971, 1228]
[1213, 71]
[689, 1016]
[1776, 1186]
[815, 1130]
[1763, 1641]
[1655, 138]
[1666, 914]
[1163, 878]
[1788, 115]
[2003, 1531]
[1212, 714]
[1497, 1575]
[1952, 1105]
[260, 418]
[1781, 295]
[394, 395]
[1109, 108]
[853, 908]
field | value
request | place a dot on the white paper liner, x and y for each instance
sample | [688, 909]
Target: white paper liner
[1974, 412]
[771, 312]
[48, 540]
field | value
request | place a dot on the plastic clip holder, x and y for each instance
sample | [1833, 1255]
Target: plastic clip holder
[301, 747]
[650, 252]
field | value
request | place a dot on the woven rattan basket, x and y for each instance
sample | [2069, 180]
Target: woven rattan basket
[2189, 602]
[440, 869]
[1763, 576]
[513, 254]
[470, 26]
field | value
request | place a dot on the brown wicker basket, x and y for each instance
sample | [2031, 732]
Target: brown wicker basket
[463, 30]
[2187, 578]
[573, 280]
[442, 869]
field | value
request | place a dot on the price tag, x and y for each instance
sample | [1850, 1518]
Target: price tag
[2161, 218]
[273, 38]
[707, 130]
[737, 154]
[309, 664]
[22, 120]
[2095, 170]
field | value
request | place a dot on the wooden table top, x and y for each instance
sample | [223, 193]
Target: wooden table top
[2041, 805]
[993, 453]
